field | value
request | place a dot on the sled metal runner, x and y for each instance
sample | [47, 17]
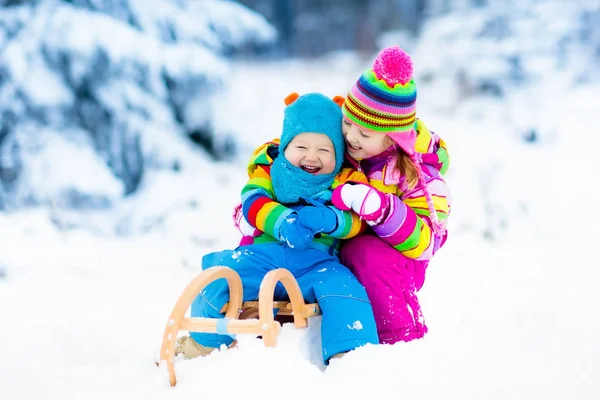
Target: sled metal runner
[251, 317]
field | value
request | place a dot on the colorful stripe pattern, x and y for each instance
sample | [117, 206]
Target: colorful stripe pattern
[261, 209]
[373, 105]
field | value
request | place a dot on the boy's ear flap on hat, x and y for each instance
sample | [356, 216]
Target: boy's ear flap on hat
[292, 97]
[339, 100]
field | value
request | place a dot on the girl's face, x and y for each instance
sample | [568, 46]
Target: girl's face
[312, 152]
[361, 144]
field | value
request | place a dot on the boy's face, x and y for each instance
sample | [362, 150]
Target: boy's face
[312, 152]
[361, 144]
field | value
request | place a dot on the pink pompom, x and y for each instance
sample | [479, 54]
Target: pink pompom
[393, 65]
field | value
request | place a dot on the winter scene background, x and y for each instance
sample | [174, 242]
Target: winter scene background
[125, 128]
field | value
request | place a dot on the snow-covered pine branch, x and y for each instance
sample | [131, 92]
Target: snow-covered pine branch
[93, 94]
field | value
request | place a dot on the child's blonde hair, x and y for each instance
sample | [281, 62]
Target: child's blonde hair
[404, 164]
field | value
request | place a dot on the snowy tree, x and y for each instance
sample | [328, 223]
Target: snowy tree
[92, 92]
[504, 50]
[514, 69]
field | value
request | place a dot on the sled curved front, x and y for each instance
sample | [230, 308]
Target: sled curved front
[264, 326]
[265, 303]
[177, 321]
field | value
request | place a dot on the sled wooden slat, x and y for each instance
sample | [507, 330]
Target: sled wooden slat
[209, 325]
[234, 322]
[283, 308]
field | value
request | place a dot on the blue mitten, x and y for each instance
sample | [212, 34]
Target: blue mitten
[318, 219]
[293, 233]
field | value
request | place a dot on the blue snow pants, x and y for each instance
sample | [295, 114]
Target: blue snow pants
[347, 321]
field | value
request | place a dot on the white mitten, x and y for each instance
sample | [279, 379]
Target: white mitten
[366, 201]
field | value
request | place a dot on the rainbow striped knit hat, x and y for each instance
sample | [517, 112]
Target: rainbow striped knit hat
[384, 98]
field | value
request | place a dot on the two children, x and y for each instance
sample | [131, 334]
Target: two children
[395, 184]
[406, 201]
[288, 199]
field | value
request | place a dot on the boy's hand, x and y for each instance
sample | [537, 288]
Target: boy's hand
[295, 234]
[366, 201]
[318, 219]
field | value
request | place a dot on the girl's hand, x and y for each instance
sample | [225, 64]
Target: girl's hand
[366, 201]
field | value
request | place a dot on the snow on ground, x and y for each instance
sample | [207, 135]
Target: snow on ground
[513, 317]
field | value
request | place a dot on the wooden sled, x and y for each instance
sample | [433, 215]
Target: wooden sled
[237, 315]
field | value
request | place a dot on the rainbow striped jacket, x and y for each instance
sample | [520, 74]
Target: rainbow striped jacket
[262, 211]
[407, 226]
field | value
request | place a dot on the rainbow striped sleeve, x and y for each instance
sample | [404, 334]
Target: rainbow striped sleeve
[349, 175]
[258, 206]
[408, 227]
[349, 224]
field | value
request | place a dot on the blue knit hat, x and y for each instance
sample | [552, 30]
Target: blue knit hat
[317, 113]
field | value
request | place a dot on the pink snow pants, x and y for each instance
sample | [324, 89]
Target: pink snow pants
[392, 281]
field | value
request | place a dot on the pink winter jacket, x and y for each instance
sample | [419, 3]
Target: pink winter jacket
[408, 227]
